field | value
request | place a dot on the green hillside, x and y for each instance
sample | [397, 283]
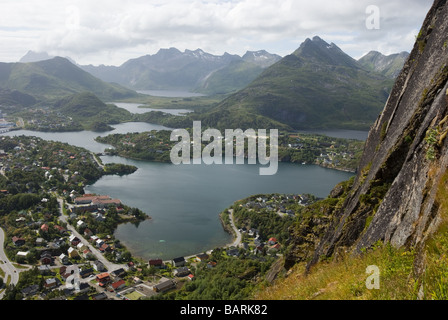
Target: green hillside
[86, 109]
[56, 78]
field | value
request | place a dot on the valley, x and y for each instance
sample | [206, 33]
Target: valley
[88, 180]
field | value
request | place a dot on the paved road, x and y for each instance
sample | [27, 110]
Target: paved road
[109, 265]
[238, 238]
[6, 265]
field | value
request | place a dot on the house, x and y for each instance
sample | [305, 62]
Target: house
[137, 280]
[18, 241]
[39, 242]
[51, 283]
[181, 272]
[190, 277]
[30, 291]
[88, 232]
[101, 296]
[202, 257]
[99, 266]
[23, 254]
[72, 253]
[105, 248]
[179, 262]
[83, 288]
[46, 258]
[80, 224]
[272, 241]
[63, 259]
[211, 264]
[233, 252]
[60, 229]
[99, 243]
[157, 263]
[118, 273]
[86, 272]
[120, 284]
[87, 254]
[74, 240]
[81, 247]
[164, 286]
[106, 203]
[103, 278]
[44, 269]
[44, 227]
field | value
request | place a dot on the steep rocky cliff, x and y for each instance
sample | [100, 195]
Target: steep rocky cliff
[393, 197]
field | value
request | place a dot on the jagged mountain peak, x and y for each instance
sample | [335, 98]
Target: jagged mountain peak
[33, 56]
[322, 52]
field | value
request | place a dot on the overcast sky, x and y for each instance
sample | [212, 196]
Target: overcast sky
[113, 31]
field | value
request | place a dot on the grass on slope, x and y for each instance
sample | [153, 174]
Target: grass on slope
[346, 277]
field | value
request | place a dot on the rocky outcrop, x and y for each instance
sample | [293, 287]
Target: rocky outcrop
[393, 198]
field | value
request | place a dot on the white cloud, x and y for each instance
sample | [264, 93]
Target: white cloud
[113, 31]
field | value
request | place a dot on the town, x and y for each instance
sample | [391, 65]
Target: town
[54, 232]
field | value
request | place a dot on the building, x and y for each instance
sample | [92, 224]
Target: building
[72, 253]
[181, 272]
[157, 263]
[179, 262]
[63, 259]
[103, 278]
[18, 241]
[99, 266]
[202, 257]
[118, 285]
[118, 273]
[164, 286]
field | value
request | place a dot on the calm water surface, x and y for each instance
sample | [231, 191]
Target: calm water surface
[134, 108]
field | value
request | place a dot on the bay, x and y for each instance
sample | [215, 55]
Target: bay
[184, 201]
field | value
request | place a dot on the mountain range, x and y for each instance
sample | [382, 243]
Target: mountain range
[317, 86]
[390, 66]
[171, 69]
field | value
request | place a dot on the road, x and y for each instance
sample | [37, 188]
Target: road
[109, 265]
[97, 161]
[6, 265]
[238, 238]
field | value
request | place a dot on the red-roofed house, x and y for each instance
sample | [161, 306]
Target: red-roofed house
[103, 278]
[44, 227]
[118, 285]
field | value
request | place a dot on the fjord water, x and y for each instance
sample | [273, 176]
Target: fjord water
[184, 201]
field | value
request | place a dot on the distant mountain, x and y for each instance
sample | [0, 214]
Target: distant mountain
[237, 74]
[261, 58]
[32, 56]
[171, 69]
[317, 86]
[56, 78]
[390, 65]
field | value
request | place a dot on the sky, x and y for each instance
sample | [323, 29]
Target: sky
[113, 31]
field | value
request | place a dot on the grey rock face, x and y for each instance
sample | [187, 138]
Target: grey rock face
[393, 198]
